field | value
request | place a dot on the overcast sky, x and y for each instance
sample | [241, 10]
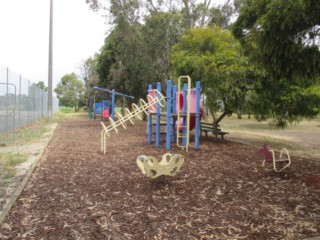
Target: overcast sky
[78, 33]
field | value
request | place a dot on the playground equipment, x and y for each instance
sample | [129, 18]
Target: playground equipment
[129, 116]
[182, 114]
[104, 107]
[170, 165]
[279, 164]
[101, 108]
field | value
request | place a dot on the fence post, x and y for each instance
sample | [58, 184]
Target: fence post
[7, 99]
[19, 100]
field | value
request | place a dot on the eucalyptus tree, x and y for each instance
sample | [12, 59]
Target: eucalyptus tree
[122, 62]
[137, 50]
[283, 39]
[195, 13]
[88, 73]
[160, 32]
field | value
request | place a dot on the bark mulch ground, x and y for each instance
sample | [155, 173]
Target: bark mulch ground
[221, 192]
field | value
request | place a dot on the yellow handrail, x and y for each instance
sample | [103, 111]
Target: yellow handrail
[180, 136]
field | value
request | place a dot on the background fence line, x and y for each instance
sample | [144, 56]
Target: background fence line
[21, 102]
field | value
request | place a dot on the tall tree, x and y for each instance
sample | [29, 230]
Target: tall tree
[88, 73]
[137, 51]
[70, 91]
[282, 38]
[134, 54]
[213, 56]
[195, 13]
[122, 63]
[42, 85]
[160, 32]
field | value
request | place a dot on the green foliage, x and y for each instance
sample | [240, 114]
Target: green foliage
[135, 55]
[64, 109]
[89, 75]
[282, 36]
[282, 39]
[138, 49]
[213, 56]
[221, 15]
[70, 91]
[42, 85]
[160, 32]
[122, 64]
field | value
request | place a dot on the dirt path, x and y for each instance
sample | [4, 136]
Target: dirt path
[222, 192]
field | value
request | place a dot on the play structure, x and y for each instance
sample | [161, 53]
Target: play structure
[129, 116]
[182, 114]
[279, 164]
[169, 165]
[99, 108]
[105, 108]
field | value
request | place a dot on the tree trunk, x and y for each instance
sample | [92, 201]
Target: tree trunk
[239, 114]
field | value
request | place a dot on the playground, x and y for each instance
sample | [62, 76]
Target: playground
[221, 191]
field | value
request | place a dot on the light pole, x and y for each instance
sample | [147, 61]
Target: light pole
[50, 63]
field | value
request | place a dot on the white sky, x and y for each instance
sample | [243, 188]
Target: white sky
[78, 33]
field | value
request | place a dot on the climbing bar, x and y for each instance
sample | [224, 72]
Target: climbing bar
[137, 110]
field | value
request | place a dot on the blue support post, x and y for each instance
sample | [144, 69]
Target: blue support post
[158, 118]
[168, 126]
[174, 111]
[149, 122]
[197, 133]
[113, 103]
[185, 102]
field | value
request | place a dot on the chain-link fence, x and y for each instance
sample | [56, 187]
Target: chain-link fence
[21, 102]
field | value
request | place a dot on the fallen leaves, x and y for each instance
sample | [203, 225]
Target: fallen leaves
[221, 193]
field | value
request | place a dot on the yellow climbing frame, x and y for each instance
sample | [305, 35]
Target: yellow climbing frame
[129, 116]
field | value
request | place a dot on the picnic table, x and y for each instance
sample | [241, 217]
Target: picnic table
[213, 128]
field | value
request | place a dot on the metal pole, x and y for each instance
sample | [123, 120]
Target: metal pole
[111, 91]
[50, 63]
[149, 122]
[198, 112]
[19, 106]
[158, 117]
[168, 126]
[7, 100]
[113, 103]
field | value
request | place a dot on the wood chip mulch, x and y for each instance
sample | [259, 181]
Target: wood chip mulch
[221, 192]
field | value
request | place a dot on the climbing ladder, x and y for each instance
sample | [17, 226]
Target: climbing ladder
[129, 116]
[183, 136]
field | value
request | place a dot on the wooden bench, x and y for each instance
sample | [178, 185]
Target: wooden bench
[211, 127]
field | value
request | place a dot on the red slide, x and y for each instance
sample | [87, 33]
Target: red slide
[179, 122]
